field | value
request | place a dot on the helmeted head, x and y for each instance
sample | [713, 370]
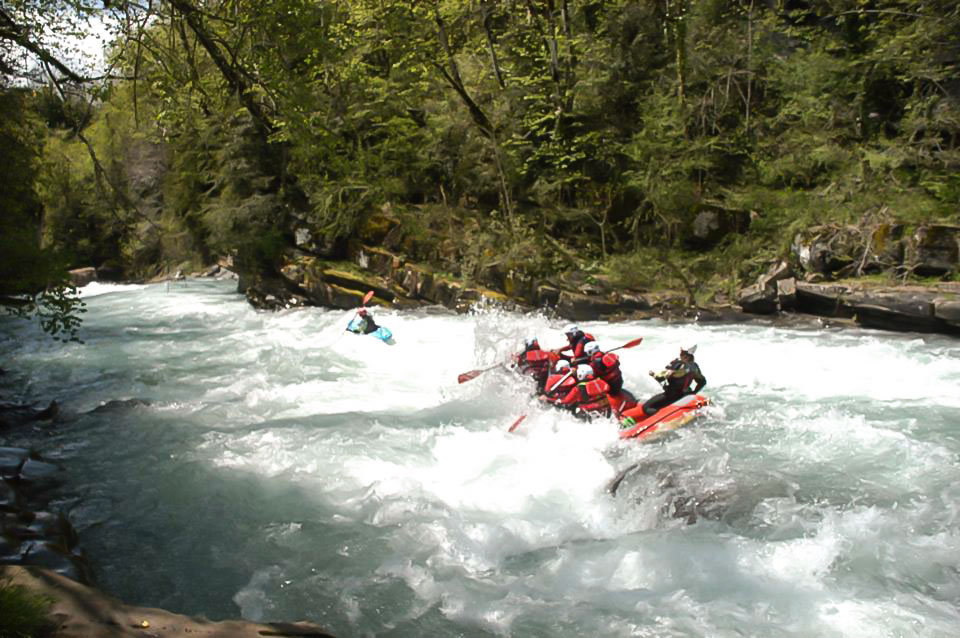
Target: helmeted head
[591, 348]
[531, 343]
[362, 312]
[609, 360]
[687, 353]
[561, 366]
[584, 372]
[572, 331]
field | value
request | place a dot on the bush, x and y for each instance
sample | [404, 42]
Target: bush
[23, 614]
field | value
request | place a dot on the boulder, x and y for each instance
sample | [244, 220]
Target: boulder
[579, 307]
[376, 227]
[787, 293]
[334, 296]
[885, 250]
[947, 310]
[822, 299]
[83, 276]
[356, 283]
[377, 260]
[932, 251]
[776, 273]
[758, 299]
[547, 296]
[81, 610]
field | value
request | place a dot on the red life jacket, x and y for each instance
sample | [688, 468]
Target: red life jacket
[586, 392]
[607, 367]
[552, 380]
[535, 362]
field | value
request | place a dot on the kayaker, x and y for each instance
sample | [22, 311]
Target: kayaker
[560, 382]
[576, 340]
[534, 361]
[365, 325]
[676, 379]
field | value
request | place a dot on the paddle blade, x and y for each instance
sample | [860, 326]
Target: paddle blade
[630, 344]
[517, 422]
[366, 298]
[467, 376]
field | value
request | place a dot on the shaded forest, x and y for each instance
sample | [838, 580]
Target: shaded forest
[526, 136]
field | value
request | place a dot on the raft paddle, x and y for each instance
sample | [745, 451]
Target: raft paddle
[629, 344]
[516, 423]
[562, 379]
[473, 374]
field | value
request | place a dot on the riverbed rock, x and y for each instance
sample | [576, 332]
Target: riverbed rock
[80, 611]
[11, 458]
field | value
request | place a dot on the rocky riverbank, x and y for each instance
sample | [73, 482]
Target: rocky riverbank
[850, 275]
[39, 551]
[81, 611]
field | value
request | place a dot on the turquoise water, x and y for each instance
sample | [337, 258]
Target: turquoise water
[225, 462]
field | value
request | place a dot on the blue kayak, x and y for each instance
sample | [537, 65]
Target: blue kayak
[381, 333]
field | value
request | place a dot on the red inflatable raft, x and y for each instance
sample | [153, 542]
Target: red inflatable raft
[669, 417]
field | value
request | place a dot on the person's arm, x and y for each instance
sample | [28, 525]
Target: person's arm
[699, 379]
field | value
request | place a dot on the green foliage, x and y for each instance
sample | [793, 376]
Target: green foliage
[24, 614]
[605, 126]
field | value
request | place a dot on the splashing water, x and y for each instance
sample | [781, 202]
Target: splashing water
[223, 461]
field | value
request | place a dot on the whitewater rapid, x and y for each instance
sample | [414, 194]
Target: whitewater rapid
[227, 462]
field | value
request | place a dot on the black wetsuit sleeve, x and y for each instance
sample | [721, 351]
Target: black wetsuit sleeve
[370, 325]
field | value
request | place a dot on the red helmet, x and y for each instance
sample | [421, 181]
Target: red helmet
[362, 312]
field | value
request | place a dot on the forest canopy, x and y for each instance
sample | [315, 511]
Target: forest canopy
[563, 134]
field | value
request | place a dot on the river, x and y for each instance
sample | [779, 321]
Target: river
[224, 462]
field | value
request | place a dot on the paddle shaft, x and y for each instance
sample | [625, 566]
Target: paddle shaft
[629, 344]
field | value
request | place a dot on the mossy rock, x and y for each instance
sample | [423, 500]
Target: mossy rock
[376, 228]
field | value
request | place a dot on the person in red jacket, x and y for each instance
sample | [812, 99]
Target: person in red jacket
[606, 366]
[576, 340]
[534, 361]
[561, 381]
[589, 395]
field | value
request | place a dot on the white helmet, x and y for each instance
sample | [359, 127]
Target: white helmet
[584, 371]
[530, 341]
[571, 329]
[591, 348]
[690, 350]
[561, 365]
